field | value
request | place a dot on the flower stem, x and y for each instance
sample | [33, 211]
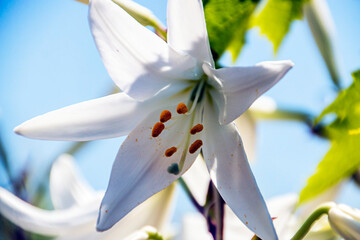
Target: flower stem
[219, 214]
[191, 197]
[305, 228]
[284, 114]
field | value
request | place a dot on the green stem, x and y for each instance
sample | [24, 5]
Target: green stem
[189, 194]
[219, 214]
[283, 114]
[305, 228]
[5, 161]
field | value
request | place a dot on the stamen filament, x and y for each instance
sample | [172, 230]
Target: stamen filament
[197, 96]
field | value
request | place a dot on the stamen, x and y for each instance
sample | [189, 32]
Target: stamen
[195, 146]
[173, 169]
[165, 116]
[197, 128]
[157, 129]
[169, 152]
[181, 108]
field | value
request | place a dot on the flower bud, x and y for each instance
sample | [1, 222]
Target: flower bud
[345, 221]
[318, 16]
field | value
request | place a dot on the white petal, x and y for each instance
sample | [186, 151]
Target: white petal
[187, 29]
[280, 207]
[344, 224]
[233, 227]
[246, 126]
[142, 234]
[137, 60]
[243, 85]
[111, 116]
[194, 226]
[79, 222]
[140, 168]
[59, 222]
[68, 187]
[198, 180]
[155, 212]
[264, 104]
[231, 174]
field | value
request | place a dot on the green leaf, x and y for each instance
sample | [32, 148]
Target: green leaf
[276, 17]
[227, 22]
[154, 236]
[343, 158]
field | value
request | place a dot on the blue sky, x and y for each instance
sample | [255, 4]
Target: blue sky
[48, 60]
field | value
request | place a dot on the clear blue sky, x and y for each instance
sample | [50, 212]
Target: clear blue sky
[48, 60]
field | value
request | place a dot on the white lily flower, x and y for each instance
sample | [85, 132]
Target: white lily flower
[76, 209]
[345, 221]
[174, 103]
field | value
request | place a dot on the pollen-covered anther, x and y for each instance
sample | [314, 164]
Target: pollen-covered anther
[157, 129]
[197, 128]
[165, 116]
[181, 108]
[195, 146]
[169, 152]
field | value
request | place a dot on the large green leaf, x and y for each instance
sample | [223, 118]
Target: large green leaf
[227, 22]
[276, 17]
[343, 158]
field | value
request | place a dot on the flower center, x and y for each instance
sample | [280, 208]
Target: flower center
[190, 121]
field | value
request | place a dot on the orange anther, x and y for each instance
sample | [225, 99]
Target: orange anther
[181, 108]
[169, 152]
[157, 129]
[197, 128]
[165, 116]
[195, 146]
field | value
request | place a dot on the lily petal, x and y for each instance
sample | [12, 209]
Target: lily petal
[137, 60]
[194, 226]
[141, 167]
[78, 222]
[187, 29]
[53, 223]
[243, 85]
[344, 224]
[68, 187]
[198, 180]
[107, 117]
[231, 174]
[246, 126]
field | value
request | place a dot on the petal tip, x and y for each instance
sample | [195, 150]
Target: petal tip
[103, 221]
[19, 130]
